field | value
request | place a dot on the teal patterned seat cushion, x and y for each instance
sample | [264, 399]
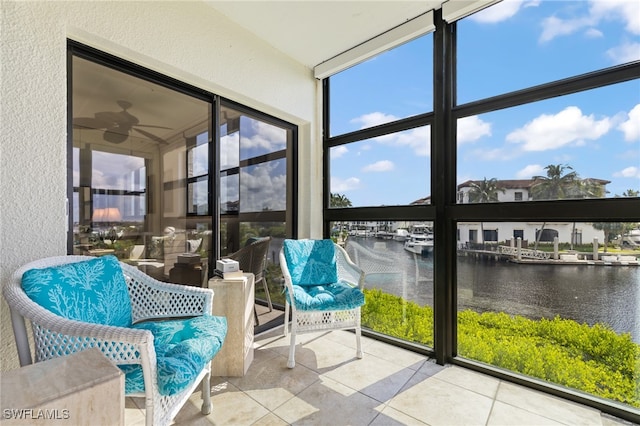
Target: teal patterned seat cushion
[336, 296]
[92, 291]
[183, 348]
[311, 262]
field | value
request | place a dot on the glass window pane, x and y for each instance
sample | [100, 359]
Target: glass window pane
[510, 45]
[229, 193]
[545, 309]
[584, 145]
[259, 138]
[198, 193]
[397, 258]
[199, 160]
[389, 170]
[395, 84]
[140, 167]
[263, 187]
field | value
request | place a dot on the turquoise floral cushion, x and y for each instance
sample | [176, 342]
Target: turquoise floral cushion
[331, 297]
[92, 291]
[183, 348]
[311, 262]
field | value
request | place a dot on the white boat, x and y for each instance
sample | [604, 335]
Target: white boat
[401, 235]
[421, 244]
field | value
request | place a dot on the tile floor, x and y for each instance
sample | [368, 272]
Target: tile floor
[388, 386]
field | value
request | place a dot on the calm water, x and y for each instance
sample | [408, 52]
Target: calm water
[587, 294]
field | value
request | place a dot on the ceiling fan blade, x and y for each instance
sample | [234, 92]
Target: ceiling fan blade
[151, 136]
[90, 123]
[152, 126]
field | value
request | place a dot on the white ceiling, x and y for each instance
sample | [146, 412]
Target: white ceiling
[312, 31]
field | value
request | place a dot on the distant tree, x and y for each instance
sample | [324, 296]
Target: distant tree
[630, 193]
[339, 200]
[560, 182]
[556, 184]
[609, 229]
[485, 191]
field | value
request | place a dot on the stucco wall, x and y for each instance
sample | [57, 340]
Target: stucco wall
[186, 40]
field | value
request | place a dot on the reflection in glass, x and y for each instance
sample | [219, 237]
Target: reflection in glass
[260, 138]
[398, 279]
[558, 308]
[389, 170]
[573, 146]
[140, 170]
[263, 187]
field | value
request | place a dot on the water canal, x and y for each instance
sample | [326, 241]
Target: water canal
[587, 294]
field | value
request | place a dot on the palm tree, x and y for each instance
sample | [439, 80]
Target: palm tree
[485, 191]
[555, 185]
[339, 200]
[631, 193]
[609, 228]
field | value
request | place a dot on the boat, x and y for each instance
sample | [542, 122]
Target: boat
[401, 235]
[421, 244]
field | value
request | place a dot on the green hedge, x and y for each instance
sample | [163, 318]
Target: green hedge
[593, 359]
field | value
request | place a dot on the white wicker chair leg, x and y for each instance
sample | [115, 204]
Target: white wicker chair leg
[206, 394]
[358, 343]
[286, 319]
[148, 411]
[292, 348]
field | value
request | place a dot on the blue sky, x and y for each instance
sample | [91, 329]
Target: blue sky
[510, 46]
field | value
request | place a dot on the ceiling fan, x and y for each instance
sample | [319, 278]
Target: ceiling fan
[117, 125]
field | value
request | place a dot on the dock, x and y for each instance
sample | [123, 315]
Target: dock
[537, 257]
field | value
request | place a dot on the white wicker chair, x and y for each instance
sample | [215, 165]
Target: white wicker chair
[306, 321]
[56, 336]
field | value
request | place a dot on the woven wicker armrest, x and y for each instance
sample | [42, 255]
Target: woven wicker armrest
[347, 270]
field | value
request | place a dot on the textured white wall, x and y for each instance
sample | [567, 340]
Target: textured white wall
[185, 40]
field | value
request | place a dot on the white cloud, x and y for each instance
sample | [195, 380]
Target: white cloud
[631, 127]
[629, 172]
[418, 139]
[338, 151]
[501, 11]
[265, 136]
[470, 129]
[553, 27]
[626, 52]
[530, 171]
[262, 188]
[627, 11]
[568, 127]
[379, 166]
[373, 119]
[344, 185]
[593, 33]
[229, 153]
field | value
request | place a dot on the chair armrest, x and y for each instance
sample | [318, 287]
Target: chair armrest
[347, 270]
[151, 298]
[56, 336]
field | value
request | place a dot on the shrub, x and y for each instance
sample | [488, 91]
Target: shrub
[592, 359]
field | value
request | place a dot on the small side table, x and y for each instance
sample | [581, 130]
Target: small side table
[82, 388]
[234, 299]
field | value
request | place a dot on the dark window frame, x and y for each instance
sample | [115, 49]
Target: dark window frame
[445, 212]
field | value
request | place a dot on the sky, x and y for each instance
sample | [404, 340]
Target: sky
[512, 45]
